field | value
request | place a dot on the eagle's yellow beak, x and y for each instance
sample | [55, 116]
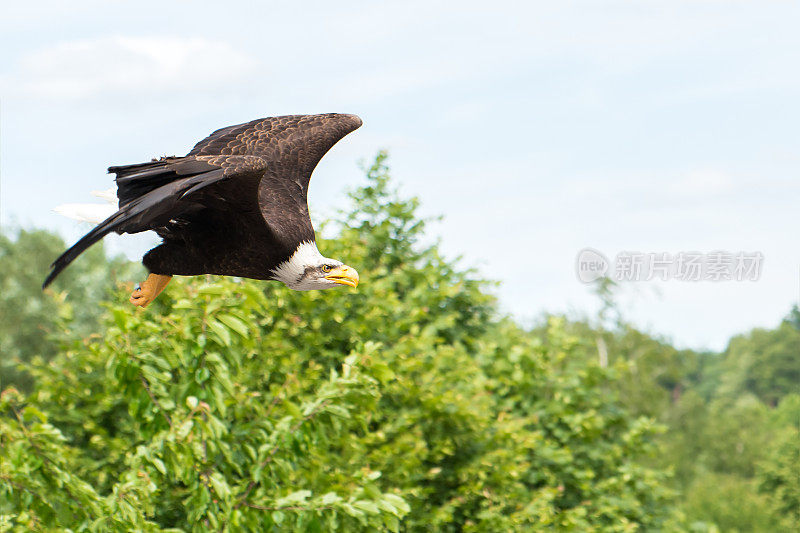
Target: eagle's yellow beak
[344, 275]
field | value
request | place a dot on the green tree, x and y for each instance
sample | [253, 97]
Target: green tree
[28, 316]
[779, 472]
[410, 404]
[724, 435]
[765, 362]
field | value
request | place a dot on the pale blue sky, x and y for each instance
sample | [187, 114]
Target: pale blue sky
[535, 128]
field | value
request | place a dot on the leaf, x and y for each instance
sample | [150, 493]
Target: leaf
[201, 375]
[329, 497]
[382, 372]
[184, 429]
[211, 289]
[294, 498]
[220, 485]
[221, 331]
[235, 324]
[192, 402]
[367, 506]
[397, 501]
[159, 464]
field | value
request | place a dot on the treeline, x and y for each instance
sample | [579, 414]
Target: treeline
[409, 405]
[730, 421]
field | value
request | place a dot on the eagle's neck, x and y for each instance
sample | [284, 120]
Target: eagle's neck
[291, 270]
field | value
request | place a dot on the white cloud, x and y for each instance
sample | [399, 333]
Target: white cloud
[150, 65]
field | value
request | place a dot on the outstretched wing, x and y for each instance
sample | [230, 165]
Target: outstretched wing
[291, 146]
[152, 194]
[295, 143]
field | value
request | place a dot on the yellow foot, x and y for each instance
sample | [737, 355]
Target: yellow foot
[150, 288]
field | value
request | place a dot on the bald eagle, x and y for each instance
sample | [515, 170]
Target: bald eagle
[235, 205]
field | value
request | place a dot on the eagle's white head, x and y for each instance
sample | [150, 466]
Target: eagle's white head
[308, 270]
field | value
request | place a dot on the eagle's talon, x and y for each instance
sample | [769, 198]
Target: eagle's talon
[145, 293]
[138, 299]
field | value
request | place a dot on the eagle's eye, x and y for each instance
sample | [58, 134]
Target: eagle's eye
[326, 268]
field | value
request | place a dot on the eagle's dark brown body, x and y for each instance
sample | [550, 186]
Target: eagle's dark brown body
[235, 205]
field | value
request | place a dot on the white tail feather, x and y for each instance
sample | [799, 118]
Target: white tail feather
[92, 213]
[109, 195]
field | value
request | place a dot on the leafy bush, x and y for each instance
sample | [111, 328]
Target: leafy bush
[409, 404]
[29, 317]
[779, 473]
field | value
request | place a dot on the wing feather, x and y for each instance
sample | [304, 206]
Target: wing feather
[294, 143]
[162, 202]
[291, 146]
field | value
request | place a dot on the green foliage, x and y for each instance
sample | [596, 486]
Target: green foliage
[764, 362]
[718, 451]
[732, 452]
[28, 317]
[731, 503]
[779, 473]
[409, 404]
